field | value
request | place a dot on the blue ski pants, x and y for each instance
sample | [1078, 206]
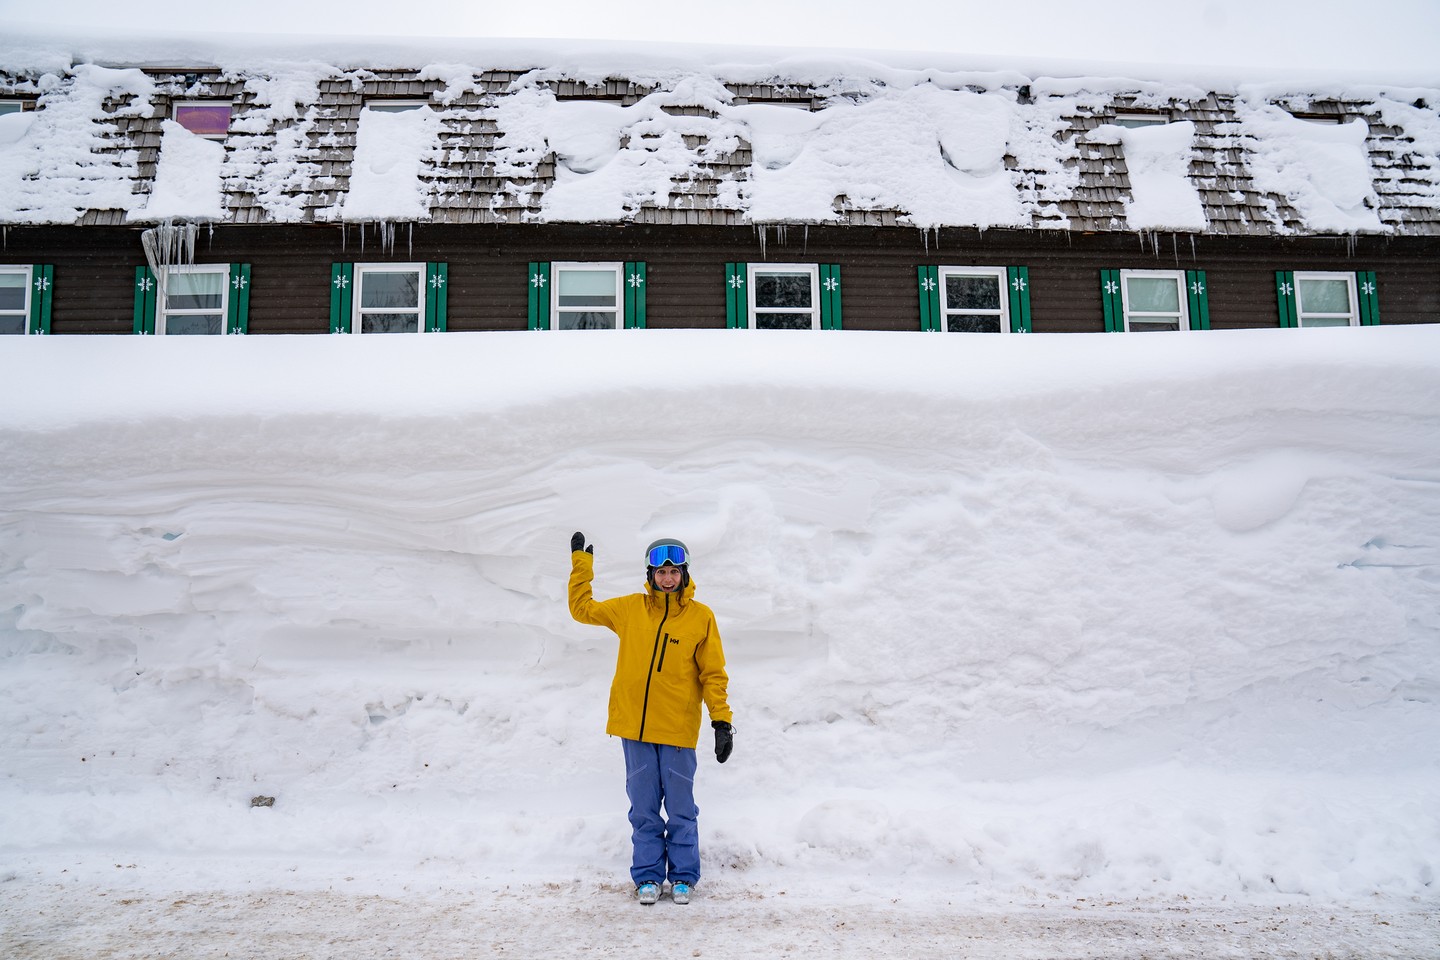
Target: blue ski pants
[668, 847]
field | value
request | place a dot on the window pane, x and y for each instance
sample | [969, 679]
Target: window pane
[1324, 296]
[193, 324]
[972, 293]
[783, 290]
[12, 291]
[586, 288]
[208, 120]
[195, 291]
[397, 289]
[1152, 294]
[10, 106]
[583, 320]
[12, 324]
[1149, 325]
[389, 323]
[963, 323]
[783, 321]
[1324, 321]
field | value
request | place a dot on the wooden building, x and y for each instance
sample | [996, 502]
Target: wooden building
[196, 199]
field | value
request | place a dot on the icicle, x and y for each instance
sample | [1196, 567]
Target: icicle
[1175, 248]
[760, 230]
[410, 240]
[1193, 255]
[805, 245]
[167, 245]
[362, 238]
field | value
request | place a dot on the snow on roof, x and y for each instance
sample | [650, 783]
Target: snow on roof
[513, 131]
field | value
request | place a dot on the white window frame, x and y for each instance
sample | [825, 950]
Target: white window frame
[26, 271]
[357, 313]
[1137, 119]
[175, 115]
[615, 268]
[394, 106]
[1181, 293]
[163, 313]
[755, 270]
[1002, 283]
[1354, 314]
[16, 106]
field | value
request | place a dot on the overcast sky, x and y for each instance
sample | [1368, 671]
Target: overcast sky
[1344, 35]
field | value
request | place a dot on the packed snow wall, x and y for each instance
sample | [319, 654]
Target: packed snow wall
[1086, 611]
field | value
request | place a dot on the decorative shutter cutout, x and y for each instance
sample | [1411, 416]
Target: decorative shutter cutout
[342, 277]
[145, 291]
[830, 316]
[1199, 299]
[237, 319]
[1110, 298]
[927, 281]
[42, 278]
[1367, 292]
[737, 298]
[538, 302]
[633, 279]
[437, 295]
[1018, 279]
[1285, 297]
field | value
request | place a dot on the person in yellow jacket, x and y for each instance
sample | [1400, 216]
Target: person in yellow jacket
[670, 659]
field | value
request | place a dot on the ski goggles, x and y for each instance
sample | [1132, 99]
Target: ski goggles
[668, 553]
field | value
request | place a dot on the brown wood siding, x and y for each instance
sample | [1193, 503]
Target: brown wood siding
[488, 279]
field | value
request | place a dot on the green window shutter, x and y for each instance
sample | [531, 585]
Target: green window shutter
[342, 276]
[42, 278]
[1112, 300]
[539, 295]
[437, 294]
[830, 296]
[237, 318]
[1199, 296]
[1285, 297]
[1367, 291]
[737, 298]
[927, 281]
[144, 300]
[1018, 279]
[634, 281]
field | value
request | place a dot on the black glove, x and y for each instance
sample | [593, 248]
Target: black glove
[724, 739]
[577, 542]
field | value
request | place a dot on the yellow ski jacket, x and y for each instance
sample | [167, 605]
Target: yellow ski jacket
[670, 658]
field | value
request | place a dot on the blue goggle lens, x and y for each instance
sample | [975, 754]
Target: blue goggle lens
[667, 554]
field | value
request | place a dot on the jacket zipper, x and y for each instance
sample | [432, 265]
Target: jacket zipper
[645, 706]
[664, 645]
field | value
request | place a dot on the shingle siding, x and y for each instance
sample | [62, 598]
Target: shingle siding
[465, 188]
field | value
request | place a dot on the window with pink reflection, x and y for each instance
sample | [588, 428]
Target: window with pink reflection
[204, 119]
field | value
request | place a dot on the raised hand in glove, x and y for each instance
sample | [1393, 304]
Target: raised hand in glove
[577, 542]
[724, 739]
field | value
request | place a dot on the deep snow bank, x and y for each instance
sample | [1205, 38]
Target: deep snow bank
[1092, 612]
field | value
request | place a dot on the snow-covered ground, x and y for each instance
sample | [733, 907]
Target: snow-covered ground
[1037, 643]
